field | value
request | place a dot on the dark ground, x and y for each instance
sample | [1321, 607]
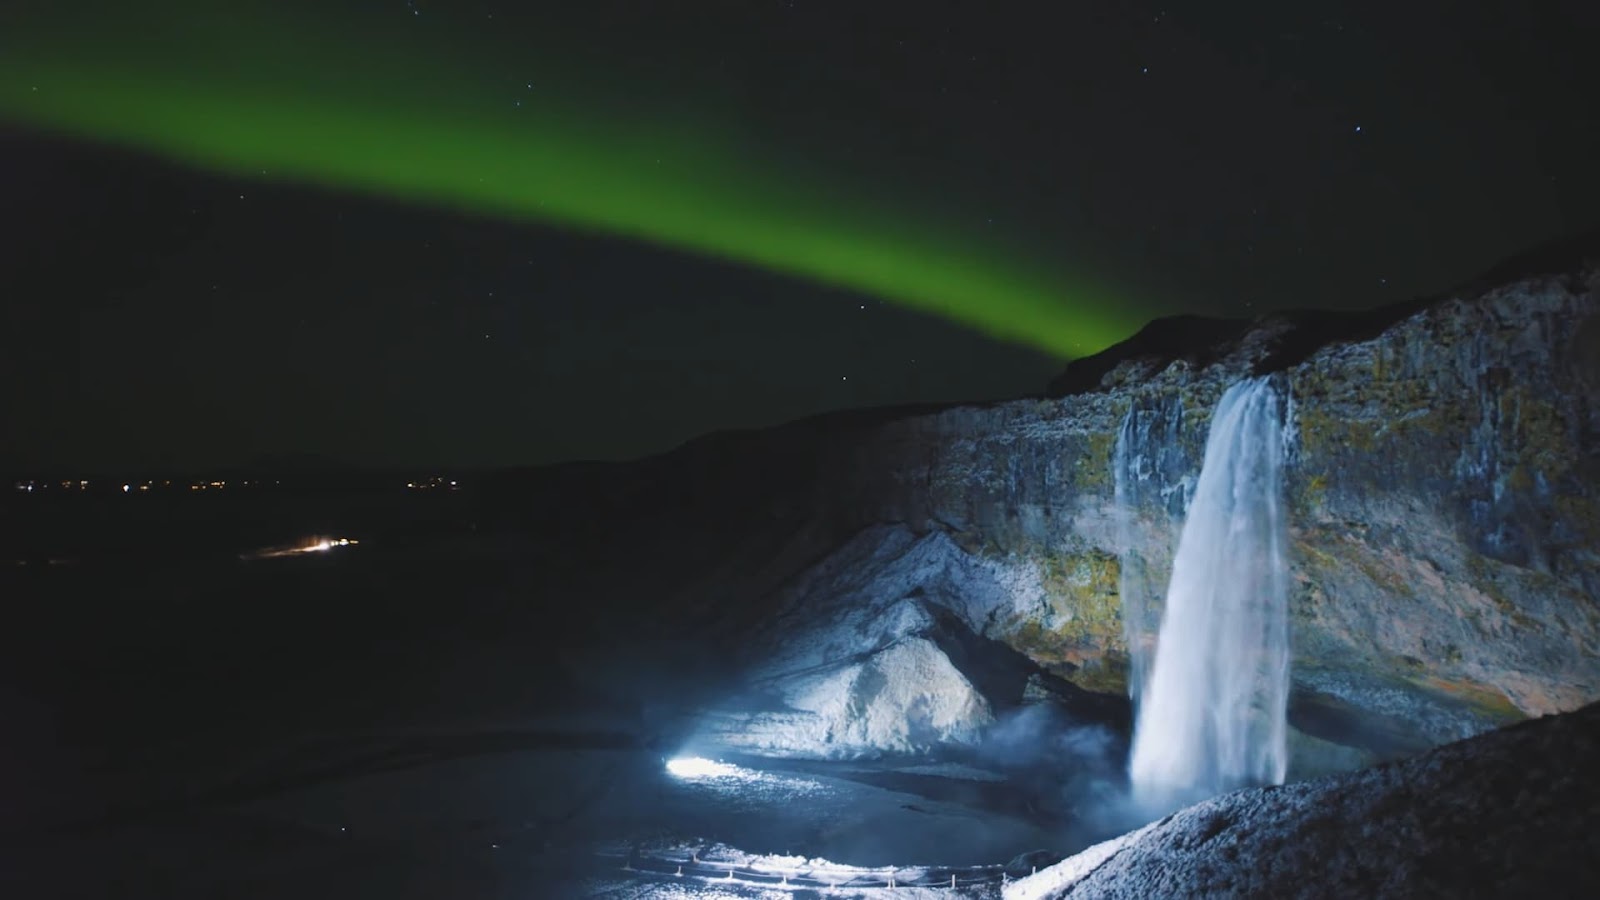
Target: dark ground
[183, 722]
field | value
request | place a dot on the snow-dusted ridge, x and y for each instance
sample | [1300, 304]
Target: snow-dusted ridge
[1511, 813]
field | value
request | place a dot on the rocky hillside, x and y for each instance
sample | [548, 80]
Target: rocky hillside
[1444, 490]
[1507, 814]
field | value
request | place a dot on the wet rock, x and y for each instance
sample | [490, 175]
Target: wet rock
[1025, 864]
[1039, 690]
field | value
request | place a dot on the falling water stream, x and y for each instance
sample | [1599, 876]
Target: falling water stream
[1212, 707]
[1126, 474]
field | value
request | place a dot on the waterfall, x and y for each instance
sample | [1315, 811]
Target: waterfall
[1152, 481]
[1128, 467]
[1212, 711]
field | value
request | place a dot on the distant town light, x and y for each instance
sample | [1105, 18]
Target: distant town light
[313, 545]
[125, 489]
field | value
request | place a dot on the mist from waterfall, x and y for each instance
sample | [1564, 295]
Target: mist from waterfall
[1212, 709]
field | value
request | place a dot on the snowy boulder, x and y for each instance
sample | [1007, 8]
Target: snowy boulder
[906, 698]
[879, 648]
[1511, 813]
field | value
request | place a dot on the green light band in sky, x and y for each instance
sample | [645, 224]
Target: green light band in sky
[679, 184]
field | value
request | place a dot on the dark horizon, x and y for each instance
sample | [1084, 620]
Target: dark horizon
[1142, 162]
[1552, 256]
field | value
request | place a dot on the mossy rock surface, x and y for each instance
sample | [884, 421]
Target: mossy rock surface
[1442, 486]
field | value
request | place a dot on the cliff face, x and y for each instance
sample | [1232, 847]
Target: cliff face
[1443, 483]
[1444, 491]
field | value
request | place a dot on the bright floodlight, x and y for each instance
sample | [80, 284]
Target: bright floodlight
[698, 767]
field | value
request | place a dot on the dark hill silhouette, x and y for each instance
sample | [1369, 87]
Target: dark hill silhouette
[1300, 333]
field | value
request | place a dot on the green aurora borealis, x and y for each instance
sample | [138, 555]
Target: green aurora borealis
[254, 95]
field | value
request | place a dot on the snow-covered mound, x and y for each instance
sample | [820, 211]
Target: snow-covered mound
[879, 648]
[1512, 813]
[903, 698]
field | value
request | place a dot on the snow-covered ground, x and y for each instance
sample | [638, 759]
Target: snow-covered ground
[488, 818]
[344, 749]
[1054, 881]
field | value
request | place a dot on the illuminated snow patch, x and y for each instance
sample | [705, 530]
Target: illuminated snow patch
[692, 767]
[698, 870]
[740, 786]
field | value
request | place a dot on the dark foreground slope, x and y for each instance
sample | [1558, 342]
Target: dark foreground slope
[1512, 813]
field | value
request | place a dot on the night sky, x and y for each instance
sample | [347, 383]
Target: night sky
[430, 233]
